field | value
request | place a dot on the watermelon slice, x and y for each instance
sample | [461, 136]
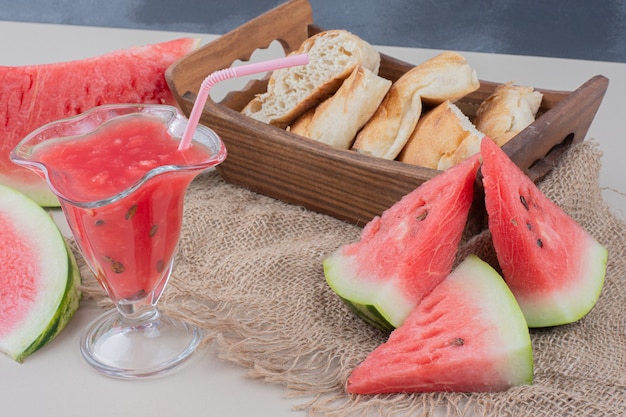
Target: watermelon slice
[39, 278]
[403, 254]
[33, 95]
[554, 267]
[467, 335]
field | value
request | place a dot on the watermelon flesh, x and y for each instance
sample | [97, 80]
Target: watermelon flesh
[407, 251]
[39, 277]
[554, 267]
[33, 95]
[467, 335]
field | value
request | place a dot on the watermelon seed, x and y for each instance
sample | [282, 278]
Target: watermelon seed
[540, 243]
[422, 216]
[514, 222]
[153, 230]
[131, 212]
[457, 341]
[523, 200]
[116, 266]
[160, 265]
[99, 222]
[529, 226]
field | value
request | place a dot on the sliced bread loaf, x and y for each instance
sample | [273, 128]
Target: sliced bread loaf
[509, 110]
[337, 120]
[333, 55]
[447, 76]
[443, 137]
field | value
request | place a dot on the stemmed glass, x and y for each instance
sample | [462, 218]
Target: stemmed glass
[123, 200]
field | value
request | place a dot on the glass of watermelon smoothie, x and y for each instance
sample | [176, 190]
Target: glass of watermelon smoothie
[121, 182]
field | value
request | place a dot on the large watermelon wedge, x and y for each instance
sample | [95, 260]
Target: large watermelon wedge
[403, 254]
[39, 278]
[554, 267]
[33, 95]
[467, 335]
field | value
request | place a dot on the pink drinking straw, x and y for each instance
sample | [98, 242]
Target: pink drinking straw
[225, 74]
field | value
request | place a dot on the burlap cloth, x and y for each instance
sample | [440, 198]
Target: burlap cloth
[249, 272]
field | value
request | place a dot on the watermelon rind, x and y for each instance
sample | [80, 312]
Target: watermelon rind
[406, 251]
[503, 310]
[64, 313]
[58, 280]
[37, 189]
[382, 305]
[575, 302]
[555, 267]
[468, 335]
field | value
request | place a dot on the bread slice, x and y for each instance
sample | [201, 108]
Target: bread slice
[333, 55]
[300, 126]
[447, 76]
[442, 138]
[509, 110]
[338, 119]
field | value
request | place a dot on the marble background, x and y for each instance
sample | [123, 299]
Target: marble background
[579, 29]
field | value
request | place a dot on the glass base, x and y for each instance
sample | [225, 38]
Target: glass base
[142, 349]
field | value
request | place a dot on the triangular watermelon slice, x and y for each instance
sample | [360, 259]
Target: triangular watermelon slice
[407, 251]
[467, 335]
[554, 267]
[33, 95]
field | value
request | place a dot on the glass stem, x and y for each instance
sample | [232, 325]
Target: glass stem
[139, 312]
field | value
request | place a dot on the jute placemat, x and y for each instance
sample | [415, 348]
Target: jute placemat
[249, 272]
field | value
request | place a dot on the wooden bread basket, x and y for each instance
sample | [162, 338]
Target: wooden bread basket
[338, 182]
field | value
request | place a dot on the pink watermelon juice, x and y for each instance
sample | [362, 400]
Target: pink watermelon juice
[130, 241]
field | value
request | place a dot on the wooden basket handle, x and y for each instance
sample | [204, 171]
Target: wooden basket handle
[538, 148]
[286, 24]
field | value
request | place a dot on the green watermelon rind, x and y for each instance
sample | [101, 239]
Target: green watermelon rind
[371, 314]
[578, 300]
[505, 308]
[61, 276]
[37, 191]
[382, 305]
[66, 310]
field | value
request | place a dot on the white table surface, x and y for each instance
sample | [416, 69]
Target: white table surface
[57, 382]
